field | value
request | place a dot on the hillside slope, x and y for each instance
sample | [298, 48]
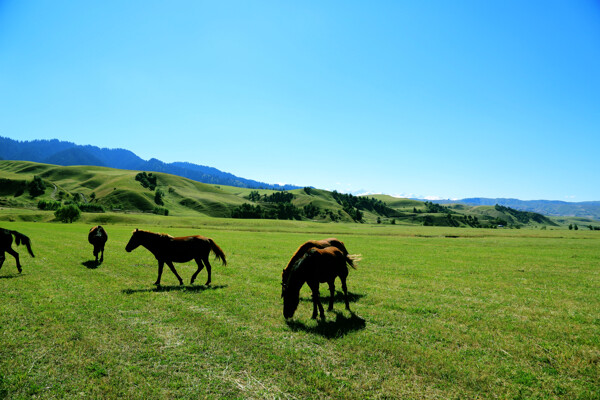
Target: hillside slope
[103, 189]
[585, 209]
[68, 154]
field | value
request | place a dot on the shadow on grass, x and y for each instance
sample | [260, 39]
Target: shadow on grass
[337, 297]
[91, 264]
[175, 288]
[331, 329]
[11, 276]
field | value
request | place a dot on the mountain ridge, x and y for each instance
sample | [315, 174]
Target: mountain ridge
[556, 208]
[65, 153]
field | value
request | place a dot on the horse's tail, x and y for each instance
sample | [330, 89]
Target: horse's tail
[20, 238]
[217, 250]
[351, 259]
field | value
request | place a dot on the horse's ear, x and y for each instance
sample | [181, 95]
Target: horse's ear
[136, 229]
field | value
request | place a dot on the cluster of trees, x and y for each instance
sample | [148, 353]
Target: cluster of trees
[277, 197]
[68, 213]
[158, 197]
[146, 180]
[281, 211]
[161, 211]
[435, 208]
[50, 205]
[350, 202]
[36, 187]
[523, 217]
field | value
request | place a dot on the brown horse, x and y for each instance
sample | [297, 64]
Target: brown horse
[314, 267]
[168, 249]
[6, 239]
[98, 237]
[319, 244]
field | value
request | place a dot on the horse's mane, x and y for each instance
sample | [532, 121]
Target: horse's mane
[162, 235]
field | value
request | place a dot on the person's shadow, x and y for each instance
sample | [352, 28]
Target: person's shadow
[331, 329]
[174, 288]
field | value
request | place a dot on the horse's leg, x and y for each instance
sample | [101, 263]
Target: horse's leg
[16, 256]
[161, 264]
[316, 301]
[2, 258]
[332, 294]
[208, 269]
[170, 264]
[200, 266]
[102, 255]
[345, 289]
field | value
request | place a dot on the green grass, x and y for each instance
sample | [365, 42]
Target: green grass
[437, 313]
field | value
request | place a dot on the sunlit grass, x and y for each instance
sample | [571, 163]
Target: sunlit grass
[487, 314]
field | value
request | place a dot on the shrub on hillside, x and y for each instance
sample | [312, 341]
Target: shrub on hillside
[158, 197]
[68, 213]
[36, 187]
[146, 180]
[48, 205]
[89, 207]
[160, 211]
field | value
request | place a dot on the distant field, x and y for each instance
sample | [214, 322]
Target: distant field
[438, 313]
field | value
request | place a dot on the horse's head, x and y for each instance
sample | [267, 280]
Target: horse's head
[292, 280]
[134, 242]
[291, 298]
[284, 279]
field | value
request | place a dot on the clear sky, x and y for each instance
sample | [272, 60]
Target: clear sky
[446, 99]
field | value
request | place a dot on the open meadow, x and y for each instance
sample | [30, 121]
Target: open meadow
[437, 313]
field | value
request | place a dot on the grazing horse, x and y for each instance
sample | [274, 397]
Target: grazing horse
[6, 239]
[98, 237]
[320, 244]
[168, 249]
[314, 267]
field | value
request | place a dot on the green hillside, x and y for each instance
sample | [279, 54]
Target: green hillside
[114, 192]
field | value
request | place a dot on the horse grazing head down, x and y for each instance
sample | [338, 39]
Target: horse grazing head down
[291, 285]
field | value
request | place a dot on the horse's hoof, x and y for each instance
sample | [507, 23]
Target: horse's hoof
[157, 283]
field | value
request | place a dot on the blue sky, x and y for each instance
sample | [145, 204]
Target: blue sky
[446, 99]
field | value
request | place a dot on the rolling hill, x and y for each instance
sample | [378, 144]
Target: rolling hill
[121, 191]
[68, 154]
[585, 209]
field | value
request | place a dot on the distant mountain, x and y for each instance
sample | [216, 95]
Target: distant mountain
[67, 154]
[586, 209]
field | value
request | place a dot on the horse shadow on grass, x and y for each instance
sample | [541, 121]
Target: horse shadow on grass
[11, 276]
[91, 264]
[338, 297]
[331, 329]
[174, 288]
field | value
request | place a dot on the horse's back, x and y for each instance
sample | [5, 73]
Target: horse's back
[97, 235]
[327, 263]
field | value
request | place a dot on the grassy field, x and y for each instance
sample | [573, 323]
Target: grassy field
[437, 313]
